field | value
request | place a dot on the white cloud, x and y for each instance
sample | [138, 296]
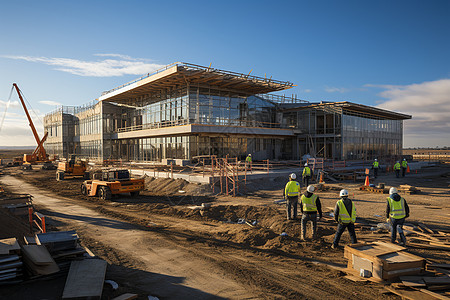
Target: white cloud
[429, 105]
[336, 90]
[122, 65]
[307, 91]
[10, 104]
[52, 103]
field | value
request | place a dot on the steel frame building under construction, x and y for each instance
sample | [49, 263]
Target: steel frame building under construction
[183, 110]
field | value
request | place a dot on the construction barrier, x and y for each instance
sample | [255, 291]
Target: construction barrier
[35, 218]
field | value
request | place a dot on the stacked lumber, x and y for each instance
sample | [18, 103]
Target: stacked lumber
[10, 261]
[380, 261]
[408, 189]
[38, 260]
[434, 285]
[63, 246]
[371, 189]
[17, 204]
[421, 236]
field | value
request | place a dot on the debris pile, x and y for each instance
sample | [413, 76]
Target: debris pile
[10, 261]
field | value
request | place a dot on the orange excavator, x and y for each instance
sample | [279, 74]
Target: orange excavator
[39, 154]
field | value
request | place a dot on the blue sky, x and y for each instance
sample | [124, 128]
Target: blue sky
[391, 54]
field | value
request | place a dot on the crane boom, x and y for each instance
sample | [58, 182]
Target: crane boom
[39, 153]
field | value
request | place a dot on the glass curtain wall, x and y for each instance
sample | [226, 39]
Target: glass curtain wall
[366, 138]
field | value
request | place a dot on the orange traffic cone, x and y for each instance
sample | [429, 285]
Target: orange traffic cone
[407, 169]
[321, 178]
[367, 181]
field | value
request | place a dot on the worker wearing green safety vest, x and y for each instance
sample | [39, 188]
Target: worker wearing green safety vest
[375, 167]
[345, 215]
[397, 169]
[310, 205]
[248, 161]
[306, 175]
[290, 193]
[397, 210]
[404, 167]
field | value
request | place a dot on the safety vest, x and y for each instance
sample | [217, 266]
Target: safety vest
[309, 204]
[248, 159]
[292, 188]
[404, 164]
[397, 208]
[375, 164]
[306, 172]
[397, 166]
[344, 216]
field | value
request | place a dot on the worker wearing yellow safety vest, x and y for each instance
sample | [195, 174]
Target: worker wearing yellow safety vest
[306, 175]
[375, 167]
[345, 215]
[248, 161]
[310, 205]
[290, 193]
[404, 167]
[397, 211]
[397, 169]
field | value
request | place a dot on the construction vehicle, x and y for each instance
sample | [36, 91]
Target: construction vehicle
[112, 182]
[48, 165]
[72, 169]
[39, 154]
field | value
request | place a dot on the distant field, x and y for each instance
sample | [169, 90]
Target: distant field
[6, 153]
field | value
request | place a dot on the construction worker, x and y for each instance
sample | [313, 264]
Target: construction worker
[397, 169]
[345, 215]
[248, 161]
[375, 167]
[309, 206]
[290, 193]
[404, 167]
[306, 175]
[397, 210]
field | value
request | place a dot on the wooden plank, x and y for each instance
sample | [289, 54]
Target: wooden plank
[413, 281]
[9, 246]
[85, 279]
[441, 266]
[37, 254]
[424, 227]
[445, 287]
[435, 295]
[437, 280]
[126, 296]
[410, 294]
[355, 278]
[430, 247]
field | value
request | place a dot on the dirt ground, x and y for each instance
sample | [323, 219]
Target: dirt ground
[217, 253]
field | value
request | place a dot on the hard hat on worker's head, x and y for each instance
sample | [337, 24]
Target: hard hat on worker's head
[293, 176]
[404, 159]
[249, 154]
[343, 193]
[310, 188]
[375, 159]
[306, 164]
[393, 190]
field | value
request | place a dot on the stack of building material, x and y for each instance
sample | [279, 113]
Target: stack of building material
[434, 285]
[407, 189]
[16, 204]
[62, 245]
[10, 261]
[421, 236]
[38, 260]
[381, 261]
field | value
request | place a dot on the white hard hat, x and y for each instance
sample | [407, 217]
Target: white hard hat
[375, 159]
[293, 176]
[404, 159]
[310, 188]
[343, 193]
[249, 154]
[306, 164]
[393, 190]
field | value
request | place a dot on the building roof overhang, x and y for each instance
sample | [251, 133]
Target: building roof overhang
[354, 109]
[180, 74]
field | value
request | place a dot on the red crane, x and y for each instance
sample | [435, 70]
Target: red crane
[39, 153]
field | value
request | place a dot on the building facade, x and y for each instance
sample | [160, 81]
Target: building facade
[184, 111]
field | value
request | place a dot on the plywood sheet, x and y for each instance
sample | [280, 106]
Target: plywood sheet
[85, 279]
[37, 254]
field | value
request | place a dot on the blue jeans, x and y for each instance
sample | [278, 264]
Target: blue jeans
[397, 225]
[309, 217]
[340, 230]
[291, 207]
